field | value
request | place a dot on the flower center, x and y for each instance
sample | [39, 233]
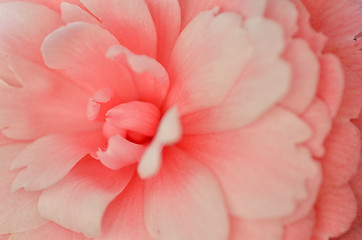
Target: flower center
[135, 121]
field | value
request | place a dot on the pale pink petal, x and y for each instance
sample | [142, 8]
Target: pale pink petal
[79, 201]
[331, 82]
[185, 201]
[25, 115]
[305, 74]
[166, 15]
[246, 8]
[129, 21]
[169, 132]
[267, 161]
[124, 218]
[285, 13]
[149, 76]
[318, 117]
[51, 231]
[207, 60]
[252, 96]
[335, 211]
[79, 49]
[6, 75]
[50, 158]
[5, 237]
[53, 4]
[98, 105]
[18, 36]
[255, 229]
[73, 13]
[120, 153]
[301, 229]
[19, 211]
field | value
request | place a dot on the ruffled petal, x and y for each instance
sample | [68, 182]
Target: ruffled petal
[80, 49]
[267, 161]
[79, 201]
[53, 4]
[184, 201]
[25, 115]
[18, 36]
[49, 159]
[19, 211]
[130, 21]
[207, 60]
[246, 8]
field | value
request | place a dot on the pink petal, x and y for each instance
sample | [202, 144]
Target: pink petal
[25, 115]
[80, 48]
[150, 77]
[18, 36]
[184, 201]
[336, 209]
[355, 231]
[140, 117]
[285, 13]
[169, 132]
[19, 211]
[79, 201]
[124, 218]
[73, 13]
[305, 75]
[342, 154]
[53, 4]
[331, 82]
[246, 8]
[129, 21]
[267, 161]
[120, 153]
[318, 117]
[207, 60]
[51, 231]
[255, 230]
[301, 229]
[166, 15]
[50, 158]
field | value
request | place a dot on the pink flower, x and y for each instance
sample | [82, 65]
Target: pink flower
[174, 120]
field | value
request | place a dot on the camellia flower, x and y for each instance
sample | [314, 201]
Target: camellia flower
[180, 119]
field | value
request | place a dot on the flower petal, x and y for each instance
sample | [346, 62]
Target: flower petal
[120, 153]
[19, 211]
[246, 8]
[73, 13]
[150, 77]
[25, 115]
[265, 159]
[79, 49]
[79, 201]
[51, 231]
[18, 36]
[166, 15]
[50, 158]
[129, 21]
[124, 218]
[184, 201]
[169, 132]
[207, 60]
